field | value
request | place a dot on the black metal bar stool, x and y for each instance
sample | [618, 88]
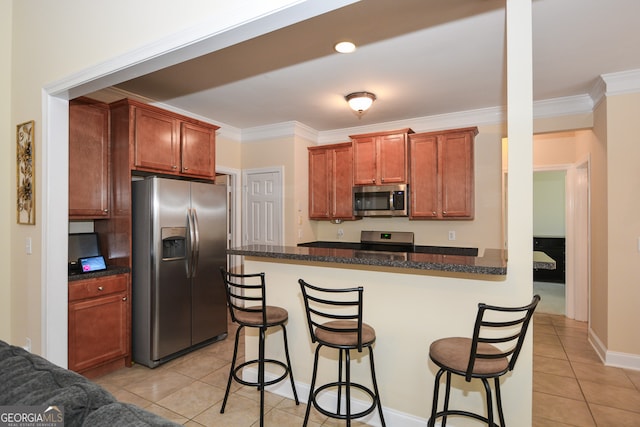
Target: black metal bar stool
[261, 316]
[337, 323]
[498, 336]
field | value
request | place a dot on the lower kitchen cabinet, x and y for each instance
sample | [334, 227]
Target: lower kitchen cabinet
[99, 324]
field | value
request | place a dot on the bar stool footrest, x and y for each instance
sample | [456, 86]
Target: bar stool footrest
[462, 414]
[369, 392]
[256, 383]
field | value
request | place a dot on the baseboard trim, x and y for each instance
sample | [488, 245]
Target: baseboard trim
[391, 416]
[613, 358]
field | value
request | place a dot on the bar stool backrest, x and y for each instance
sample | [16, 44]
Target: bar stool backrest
[245, 292]
[323, 305]
[504, 328]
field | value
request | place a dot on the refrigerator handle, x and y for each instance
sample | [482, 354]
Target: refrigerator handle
[196, 243]
[190, 254]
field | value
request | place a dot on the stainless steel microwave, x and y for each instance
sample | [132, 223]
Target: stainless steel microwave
[381, 200]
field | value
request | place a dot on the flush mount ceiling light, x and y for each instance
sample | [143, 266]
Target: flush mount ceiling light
[345, 47]
[360, 101]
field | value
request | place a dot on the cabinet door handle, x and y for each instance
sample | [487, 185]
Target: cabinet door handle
[434, 213]
[105, 210]
[124, 298]
[444, 212]
[174, 167]
[100, 288]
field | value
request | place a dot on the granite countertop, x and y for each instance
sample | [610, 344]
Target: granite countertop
[110, 271]
[542, 261]
[491, 261]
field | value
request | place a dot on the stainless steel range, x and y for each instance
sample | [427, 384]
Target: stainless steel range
[400, 243]
[389, 241]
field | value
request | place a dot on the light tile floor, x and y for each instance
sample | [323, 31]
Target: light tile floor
[571, 386]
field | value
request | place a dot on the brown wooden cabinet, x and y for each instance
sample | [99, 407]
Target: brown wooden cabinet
[380, 158]
[168, 143]
[89, 163]
[156, 146]
[331, 181]
[99, 324]
[198, 149]
[441, 177]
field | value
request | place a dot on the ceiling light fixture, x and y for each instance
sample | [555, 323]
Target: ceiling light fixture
[345, 47]
[360, 101]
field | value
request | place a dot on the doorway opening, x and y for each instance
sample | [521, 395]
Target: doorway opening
[566, 189]
[549, 238]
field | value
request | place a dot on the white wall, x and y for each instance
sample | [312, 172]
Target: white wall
[549, 204]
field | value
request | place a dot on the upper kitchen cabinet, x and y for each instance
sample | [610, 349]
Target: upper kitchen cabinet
[330, 182]
[380, 158]
[165, 142]
[89, 161]
[442, 181]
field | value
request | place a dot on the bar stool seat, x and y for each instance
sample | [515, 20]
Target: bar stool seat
[240, 289]
[343, 330]
[253, 316]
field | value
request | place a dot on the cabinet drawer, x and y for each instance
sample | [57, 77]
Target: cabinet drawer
[96, 287]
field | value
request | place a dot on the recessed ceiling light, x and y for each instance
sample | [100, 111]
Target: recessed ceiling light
[345, 47]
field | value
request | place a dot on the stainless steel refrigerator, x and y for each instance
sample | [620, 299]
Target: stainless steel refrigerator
[179, 245]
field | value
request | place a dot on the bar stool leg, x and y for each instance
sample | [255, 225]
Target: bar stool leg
[434, 406]
[348, 385]
[261, 374]
[339, 402]
[233, 366]
[312, 398]
[499, 401]
[447, 393]
[375, 387]
[286, 352]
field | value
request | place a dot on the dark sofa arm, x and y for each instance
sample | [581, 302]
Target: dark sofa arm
[30, 380]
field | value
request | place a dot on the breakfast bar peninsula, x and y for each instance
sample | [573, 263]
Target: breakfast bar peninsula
[410, 299]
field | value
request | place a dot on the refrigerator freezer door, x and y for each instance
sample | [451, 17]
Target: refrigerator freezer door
[171, 318]
[209, 307]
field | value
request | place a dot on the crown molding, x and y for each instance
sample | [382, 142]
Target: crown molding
[279, 130]
[621, 83]
[579, 104]
[484, 116]
[112, 94]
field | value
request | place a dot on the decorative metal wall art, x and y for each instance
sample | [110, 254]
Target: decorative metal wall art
[26, 173]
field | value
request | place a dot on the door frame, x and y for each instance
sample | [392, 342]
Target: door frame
[234, 217]
[579, 253]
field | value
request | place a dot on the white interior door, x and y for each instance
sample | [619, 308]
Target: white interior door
[263, 207]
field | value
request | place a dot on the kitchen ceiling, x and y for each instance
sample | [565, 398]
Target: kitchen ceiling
[420, 57]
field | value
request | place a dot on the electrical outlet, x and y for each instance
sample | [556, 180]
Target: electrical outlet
[27, 245]
[27, 344]
[340, 233]
[452, 235]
